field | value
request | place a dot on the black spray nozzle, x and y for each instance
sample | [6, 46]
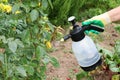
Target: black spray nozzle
[67, 37]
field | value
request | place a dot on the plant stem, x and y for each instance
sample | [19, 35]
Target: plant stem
[6, 67]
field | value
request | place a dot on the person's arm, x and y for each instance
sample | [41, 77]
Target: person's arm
[104, 19]
[114, 14]
[107, 17]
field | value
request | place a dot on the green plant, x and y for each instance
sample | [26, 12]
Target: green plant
[25, 35]
[82, 9]
[112, 59]
[83, 75]
[117, 28]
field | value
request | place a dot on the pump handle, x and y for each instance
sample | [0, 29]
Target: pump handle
[92, 27]
[97, 28]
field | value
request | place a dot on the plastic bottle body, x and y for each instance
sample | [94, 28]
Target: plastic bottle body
[85, 52]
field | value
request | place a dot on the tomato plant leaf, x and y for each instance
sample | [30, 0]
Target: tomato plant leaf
[15, 8]
[29, 70]
[26, 36]
[2, 58]
[3, 39]
[54, 62]
[50, 3]
[34, 14]
[44, 4]
[12, 46]
[21, 70]
[114, 69]
[19, 43]
[46, 60]
[40, 51]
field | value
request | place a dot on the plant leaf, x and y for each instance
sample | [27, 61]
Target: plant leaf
[34, 15]
[30, 70]
[40, 51]
[81, 75]
[12, 46]
[50, 3]
[26, 36]
[55, 62]
[114, 69]
[2, 58]
[22, 71]
[15, 8]
[19, 43]
[44, 4]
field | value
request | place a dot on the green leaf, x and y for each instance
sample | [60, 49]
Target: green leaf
[19, 43]
[109, 61]
[114, 69]
[2, 58]
[81, 75]
[9, 72]
[21, 71]
[105, 51]
[40, 52]
[12, 46]
[42, 70]
[26, 36]
[46, 60]
[51, 26]
[50, 3]
[33, 3]
[15, 8]
[29, 69]
[35, 29]
[55, 62]
[44, 4]
[3, 39]
[34, 15]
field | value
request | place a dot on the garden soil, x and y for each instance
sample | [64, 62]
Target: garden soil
[68, 64]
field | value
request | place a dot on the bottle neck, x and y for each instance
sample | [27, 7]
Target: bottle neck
[77, 34]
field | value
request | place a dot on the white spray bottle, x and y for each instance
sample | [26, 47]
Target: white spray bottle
[83, 46]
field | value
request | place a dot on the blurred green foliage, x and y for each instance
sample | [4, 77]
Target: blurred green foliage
[82, 9]
[25, 36]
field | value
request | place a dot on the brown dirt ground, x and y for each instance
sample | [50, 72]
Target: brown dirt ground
[68, 64]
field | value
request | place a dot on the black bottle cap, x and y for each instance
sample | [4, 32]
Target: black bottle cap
[77, 34]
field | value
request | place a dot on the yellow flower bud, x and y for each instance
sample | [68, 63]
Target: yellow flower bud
[48, 44]
[7, 8]
[17, 12]
[45, 18]
[39, 4]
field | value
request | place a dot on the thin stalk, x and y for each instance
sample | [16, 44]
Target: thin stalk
[6, 67]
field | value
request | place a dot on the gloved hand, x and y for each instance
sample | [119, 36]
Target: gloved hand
[100, 20]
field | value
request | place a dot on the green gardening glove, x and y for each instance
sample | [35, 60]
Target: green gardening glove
[100, 20]
[94, 22]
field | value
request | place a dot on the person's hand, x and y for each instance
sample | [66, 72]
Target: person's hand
[100, 20]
